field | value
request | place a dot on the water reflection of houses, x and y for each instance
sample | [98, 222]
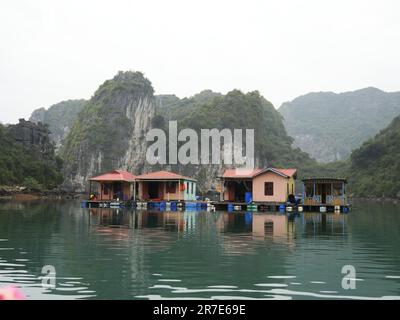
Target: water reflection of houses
[321, 223]
[168, 221]
[244, 233]
[258, 225]
[271, 225]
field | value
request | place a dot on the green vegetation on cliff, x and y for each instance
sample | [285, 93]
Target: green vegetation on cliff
[24, 166]
[237, 110]
[375, 166]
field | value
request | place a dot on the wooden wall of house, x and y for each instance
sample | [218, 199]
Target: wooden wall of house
[279, 190]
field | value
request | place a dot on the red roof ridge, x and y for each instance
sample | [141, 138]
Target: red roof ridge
[163, 175]
[115, 175]
[251, 173]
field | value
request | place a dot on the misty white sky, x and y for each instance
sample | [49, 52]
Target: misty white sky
[56, 50]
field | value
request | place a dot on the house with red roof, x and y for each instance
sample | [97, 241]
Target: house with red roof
[166, 186]
[117, 184]
[270, 185]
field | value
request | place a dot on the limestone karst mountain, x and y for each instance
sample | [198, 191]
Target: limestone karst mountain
[110, 130]
[328, 126]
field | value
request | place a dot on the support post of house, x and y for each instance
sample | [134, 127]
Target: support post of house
[90, 188]
[221, 195]
[314, 191]
[134, 191]
[179, 186]
[343, 194]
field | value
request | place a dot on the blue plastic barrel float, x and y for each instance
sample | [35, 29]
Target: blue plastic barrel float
[248, 197]
[230, 207]
[163, 205]
[282, 208]
[174, 206]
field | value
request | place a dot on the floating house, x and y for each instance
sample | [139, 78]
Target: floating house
[117, 184]
[270, 185]
[324, 191]
[166, 186]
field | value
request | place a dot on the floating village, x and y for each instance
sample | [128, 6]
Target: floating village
[268, 189]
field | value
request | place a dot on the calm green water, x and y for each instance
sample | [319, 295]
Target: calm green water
[119, 254]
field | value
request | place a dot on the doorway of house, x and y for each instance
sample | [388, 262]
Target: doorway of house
[241, 188]
[153, 190]
[323, 192]
[117, 189]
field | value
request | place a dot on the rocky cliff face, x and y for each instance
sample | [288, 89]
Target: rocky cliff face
[27, 157]
[33, 136]
[38, 115]
[59, 118]
[110, 131]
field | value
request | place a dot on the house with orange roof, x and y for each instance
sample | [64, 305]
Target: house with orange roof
[166, 186]
[117, 184]
[270, 185]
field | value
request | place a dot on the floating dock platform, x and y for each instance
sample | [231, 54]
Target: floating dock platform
[214, 206]
[279, 207]
[150, 205]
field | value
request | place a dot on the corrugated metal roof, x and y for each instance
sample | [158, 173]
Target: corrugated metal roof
[116, 175]
[163, 175]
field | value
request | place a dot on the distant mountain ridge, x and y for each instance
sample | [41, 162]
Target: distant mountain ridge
[59, 117]
[328, 126]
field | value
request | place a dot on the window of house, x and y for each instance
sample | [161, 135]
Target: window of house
[171, 186]
[268, 188]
